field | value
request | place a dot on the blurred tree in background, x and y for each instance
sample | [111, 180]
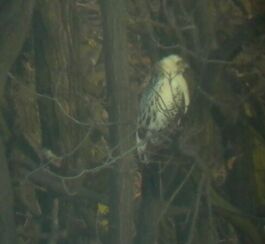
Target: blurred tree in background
[68, 167]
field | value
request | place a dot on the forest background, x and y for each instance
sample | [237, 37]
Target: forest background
[71, 74]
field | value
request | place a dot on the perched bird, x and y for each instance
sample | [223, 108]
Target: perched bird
[162, 106]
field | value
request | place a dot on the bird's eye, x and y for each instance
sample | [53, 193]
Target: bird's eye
[179, 63]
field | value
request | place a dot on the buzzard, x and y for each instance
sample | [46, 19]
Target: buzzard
[163, 104]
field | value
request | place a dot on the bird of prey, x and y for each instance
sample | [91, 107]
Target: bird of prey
[163, 104]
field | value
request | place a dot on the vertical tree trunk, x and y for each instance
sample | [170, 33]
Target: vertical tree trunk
[57, 75]
[120, 111]
[58, 80]
[7, 223]
[15, 17]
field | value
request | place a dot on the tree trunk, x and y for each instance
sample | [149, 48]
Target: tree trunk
[57, 75]
[62, 97]
[120, 112]
[15, 17]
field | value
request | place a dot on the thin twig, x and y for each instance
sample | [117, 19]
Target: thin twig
[175, 193]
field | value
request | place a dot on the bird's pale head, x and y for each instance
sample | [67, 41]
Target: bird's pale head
[172, 64]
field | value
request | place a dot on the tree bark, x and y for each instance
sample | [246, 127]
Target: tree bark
[7, 222]
[58, 77]
[15, 19]
[120, 112]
